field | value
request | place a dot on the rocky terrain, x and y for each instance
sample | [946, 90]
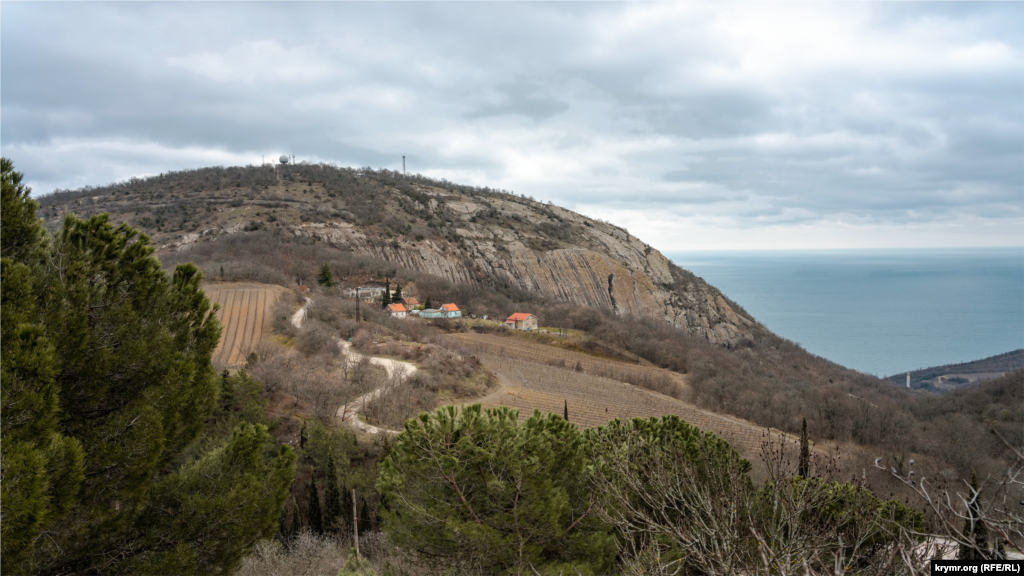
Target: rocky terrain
[463, 234]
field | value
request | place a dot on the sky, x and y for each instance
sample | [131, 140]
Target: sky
[697, 126]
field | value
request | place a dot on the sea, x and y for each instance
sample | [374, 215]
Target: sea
[882, 312]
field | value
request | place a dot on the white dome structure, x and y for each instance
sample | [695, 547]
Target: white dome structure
[283, 158]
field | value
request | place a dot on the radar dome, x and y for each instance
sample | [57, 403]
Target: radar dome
[283, 158]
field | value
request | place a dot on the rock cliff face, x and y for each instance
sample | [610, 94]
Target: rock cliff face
[458, 233]
[558, 253]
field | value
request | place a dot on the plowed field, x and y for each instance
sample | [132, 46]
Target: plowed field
[594, 401]
[244, 316]
[514, 347]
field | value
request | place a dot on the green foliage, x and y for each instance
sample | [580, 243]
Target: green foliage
[107, 385]
[325, 278]
[804, 466]
[316, 520]
[333, 519]
[42, 467]
[356, 565]
[398, 294]
[21, 234]
[477, 485]
[385, 297]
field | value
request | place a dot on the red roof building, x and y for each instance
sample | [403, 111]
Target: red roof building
[397, 310]
[522, 321]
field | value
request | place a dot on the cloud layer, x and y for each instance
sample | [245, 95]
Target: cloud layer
[695, 125]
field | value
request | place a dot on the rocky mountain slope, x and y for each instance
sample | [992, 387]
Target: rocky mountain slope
[460, 233]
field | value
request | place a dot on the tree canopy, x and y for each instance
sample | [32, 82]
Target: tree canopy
[107, 382]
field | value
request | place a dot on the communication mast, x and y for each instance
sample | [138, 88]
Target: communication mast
[403, 165]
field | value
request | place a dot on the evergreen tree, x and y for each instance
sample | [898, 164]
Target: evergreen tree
[398, 294]
[804, 467]
[325, 278]
[332, 498]
[315, 517]
[107, 385]
[427, 304]
[565, 410]
[975, 531]
[474, 483]
[365, 525]
[296, 528]
[385, 298]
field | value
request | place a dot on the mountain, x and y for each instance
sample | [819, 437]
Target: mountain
[952, 376]
[496, 253]
[460, 233]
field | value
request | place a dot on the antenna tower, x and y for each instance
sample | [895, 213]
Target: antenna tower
[403, 165]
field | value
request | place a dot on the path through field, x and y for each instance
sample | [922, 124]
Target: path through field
[349, 413]
[244, 316]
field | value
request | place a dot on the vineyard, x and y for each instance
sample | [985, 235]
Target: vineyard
[650, 377]
[244, 316]
[594, 400]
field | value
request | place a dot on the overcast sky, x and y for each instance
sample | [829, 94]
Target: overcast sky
[696, 126]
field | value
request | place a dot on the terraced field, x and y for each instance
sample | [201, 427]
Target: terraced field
[650, 377]
[244, 316]
[594, 401]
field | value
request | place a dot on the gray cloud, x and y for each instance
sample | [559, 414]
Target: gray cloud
[733, 116]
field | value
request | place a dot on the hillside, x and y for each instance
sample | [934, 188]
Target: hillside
[953, 376]
[495, 253]
[459, 233]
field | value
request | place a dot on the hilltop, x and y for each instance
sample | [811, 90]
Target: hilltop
[460, 233]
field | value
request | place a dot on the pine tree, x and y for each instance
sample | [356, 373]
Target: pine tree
[565, 410]
[804, 467]
[427, 304]
[385, 298]
[117, 352]
[332, 498]
[325, 278]
[398, 294]
[315, 518]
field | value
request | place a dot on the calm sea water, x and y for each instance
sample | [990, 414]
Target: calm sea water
[881, 311]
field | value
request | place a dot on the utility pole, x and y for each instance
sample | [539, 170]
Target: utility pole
[355, 522]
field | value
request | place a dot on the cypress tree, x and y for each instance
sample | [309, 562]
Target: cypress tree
[332, 498]
[302, 436]
[427, 304]
[565, 410]
[325, 278]
[398, 294]
[316, 520]
[975, 532]
[385, 298]
[296, 527]
[364, 517]
[804, 467]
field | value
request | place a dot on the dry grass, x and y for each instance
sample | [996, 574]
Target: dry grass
[594, 400]
[244, 315]
[650, 377]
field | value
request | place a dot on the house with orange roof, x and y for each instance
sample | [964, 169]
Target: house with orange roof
[410, 302]
[397, 310]
[445, 311]
[452, 310]
[522, 321]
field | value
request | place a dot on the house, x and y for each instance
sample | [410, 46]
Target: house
[446, 311]
[397, 310]
[410, 302]
[452, 310]
[521, 321]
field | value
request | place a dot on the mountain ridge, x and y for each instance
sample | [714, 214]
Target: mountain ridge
[460, 233]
